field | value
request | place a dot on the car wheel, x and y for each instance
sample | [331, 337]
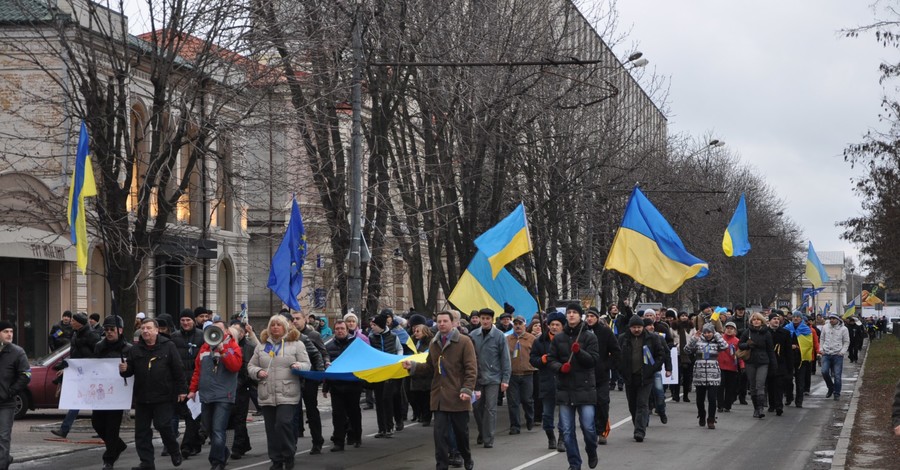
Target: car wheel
[22, 405]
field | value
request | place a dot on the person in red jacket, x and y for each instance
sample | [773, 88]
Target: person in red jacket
[731, 368]
[215, 378]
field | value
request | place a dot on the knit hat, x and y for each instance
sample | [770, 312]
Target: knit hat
[774, 315]
[647, 322]
[834, 315]
[95, 317]
[556, 316]
[797, 313]
[671, 313]
[141, 316]
[387, 312]
[187, 313]
[381, 321]
[739, 307]
[576, 307]
[165, 320]
[352, 316]
[113, 321]
[704, 306]
[200, 311]
[710, 328]
[635, 321]
[5, 325]
[592, 311]
[649, 311]
[80, 317]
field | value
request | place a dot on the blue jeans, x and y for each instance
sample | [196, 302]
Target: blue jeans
[659, 394]
[567, 426]
[548, 404]
[215, 421]
[832, 368]
[68, 421]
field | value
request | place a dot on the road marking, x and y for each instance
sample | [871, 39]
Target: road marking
[551, 454]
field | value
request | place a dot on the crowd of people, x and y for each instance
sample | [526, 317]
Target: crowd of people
[555, 370]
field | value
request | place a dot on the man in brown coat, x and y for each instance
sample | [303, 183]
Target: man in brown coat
[452, 364]
[521, 382]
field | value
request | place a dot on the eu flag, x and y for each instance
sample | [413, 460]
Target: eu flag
[286, 273]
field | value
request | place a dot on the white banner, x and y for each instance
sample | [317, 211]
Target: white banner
[95, 384]
[673, 380]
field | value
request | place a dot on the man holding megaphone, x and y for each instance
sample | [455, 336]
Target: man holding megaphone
[215, 378]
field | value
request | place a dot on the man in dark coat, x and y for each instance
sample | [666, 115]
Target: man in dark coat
[61, 333]
[609, 356]
[382, 339]
[15, 373]
[108, 423]
[857, 334]
[540, 353]
[159, 383]
[642, 357]
[241, 444]
[188, 340]
[453, 367]
[574, 354]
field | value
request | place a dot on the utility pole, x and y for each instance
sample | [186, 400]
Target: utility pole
[354, 278]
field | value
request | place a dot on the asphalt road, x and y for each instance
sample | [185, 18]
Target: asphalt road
[740, 441]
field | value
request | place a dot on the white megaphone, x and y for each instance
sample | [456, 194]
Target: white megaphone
[213, 336]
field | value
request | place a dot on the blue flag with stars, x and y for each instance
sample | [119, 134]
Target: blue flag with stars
[286, 273]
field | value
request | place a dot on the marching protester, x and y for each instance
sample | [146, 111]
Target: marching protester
[642, 357]
[452, 364]
[215, 377]
[800, 358]
[279, 352]
[158, 385]
[574, 353]
[684, 330]
[346, 414]
[384, 340]
[834, 343]
[245, 385]
[521, 383]
[83, 340]
[608, 347]
[353, 329]
[758, 340]
[705, 346]
[107, 423]
[319, 360]
[61, 332]
[420, 387]
[494, 370]
[658, 392]
[857, 335]
[730, 366]
[188, 339]
[779, 377]
[15, 374]
[741, 323]
[540, 352]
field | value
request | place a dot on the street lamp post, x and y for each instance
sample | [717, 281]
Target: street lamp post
[354, 276]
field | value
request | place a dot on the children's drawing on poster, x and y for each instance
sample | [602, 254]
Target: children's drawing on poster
[95, 384]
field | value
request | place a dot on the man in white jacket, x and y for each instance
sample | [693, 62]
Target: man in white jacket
[834, 343]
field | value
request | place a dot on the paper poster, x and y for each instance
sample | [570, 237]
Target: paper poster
[194, 406]
[673, 380]
[95, 384]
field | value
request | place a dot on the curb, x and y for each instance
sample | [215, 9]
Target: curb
[839, 460]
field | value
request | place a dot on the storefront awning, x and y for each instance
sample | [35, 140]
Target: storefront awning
[32, 243]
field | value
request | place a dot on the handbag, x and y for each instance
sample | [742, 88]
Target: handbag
[742, 354]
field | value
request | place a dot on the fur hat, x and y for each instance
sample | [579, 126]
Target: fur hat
[114, 321]
[556, 316]
[507, 308]
[416, 319]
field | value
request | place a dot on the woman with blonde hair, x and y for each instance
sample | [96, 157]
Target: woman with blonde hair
[278, 354]
[758, 340]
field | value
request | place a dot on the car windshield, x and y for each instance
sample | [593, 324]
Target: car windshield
[52, 357]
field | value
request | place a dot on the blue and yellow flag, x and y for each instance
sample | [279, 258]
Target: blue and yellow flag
[363, 362]
[286, 272]
[648, 249]
[505, 241]
[804, 339]
[736, 241]
[815, 272]
[478, 289]
[850, 309]
[83, 185]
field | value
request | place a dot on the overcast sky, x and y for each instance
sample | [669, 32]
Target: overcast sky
[775, 81]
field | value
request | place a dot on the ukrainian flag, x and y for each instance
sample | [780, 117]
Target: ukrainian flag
[648, 249]
[82, 186]
[850, 309]
[804, 339]
[815, 272]
[363, 362]
[477, 289]
[505, 241]
[736, 241]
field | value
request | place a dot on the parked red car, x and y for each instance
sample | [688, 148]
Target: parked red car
[41, 391]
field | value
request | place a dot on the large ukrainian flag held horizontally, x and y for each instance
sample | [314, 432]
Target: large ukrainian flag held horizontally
[736, 241]
[82, 186]
[815, 272]
[477, 289]
[505, 241]
[648, 249]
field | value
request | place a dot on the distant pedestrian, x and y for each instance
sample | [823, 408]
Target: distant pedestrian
[779, 377]
[61, 332]
[642, 357]
[452, 364]
[15, 373]
[758, 340]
